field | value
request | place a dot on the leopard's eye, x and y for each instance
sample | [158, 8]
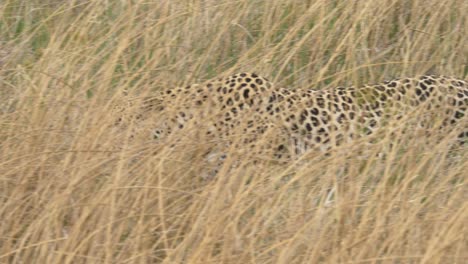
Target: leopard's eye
[157, 134]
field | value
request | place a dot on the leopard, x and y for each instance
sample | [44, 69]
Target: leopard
[247, 111]
[325, 119]
[219, 109]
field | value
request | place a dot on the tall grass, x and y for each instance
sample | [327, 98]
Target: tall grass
[74, 190]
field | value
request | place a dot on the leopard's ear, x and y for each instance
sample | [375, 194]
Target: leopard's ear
[153, 103]
[124, 91]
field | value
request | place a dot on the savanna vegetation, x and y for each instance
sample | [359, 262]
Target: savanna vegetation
[72, 190]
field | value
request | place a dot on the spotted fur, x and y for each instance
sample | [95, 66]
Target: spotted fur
[248, 106]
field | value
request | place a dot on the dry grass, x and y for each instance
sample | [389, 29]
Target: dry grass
[73, 192]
